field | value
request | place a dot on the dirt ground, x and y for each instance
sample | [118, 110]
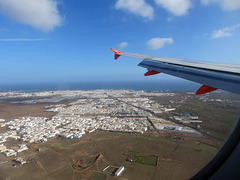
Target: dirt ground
[54, 159]
[177, 160]
[9, 111]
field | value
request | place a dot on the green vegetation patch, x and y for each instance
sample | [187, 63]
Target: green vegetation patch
[133, 156]
[97, 176]
[149, 160]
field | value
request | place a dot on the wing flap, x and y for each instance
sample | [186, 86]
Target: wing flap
[205, 89]
[152, 72]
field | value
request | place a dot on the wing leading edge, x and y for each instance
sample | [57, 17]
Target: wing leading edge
[213, 76]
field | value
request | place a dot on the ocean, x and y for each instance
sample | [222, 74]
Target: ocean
[134, 85]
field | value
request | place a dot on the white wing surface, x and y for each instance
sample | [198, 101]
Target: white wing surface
[213, 76]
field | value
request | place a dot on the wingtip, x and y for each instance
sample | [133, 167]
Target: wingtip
[117, 53]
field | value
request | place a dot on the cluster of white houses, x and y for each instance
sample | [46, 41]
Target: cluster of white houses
[13, 150]
[119, 111]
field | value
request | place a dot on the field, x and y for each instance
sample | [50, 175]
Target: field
[176, 159]
[144, 159]
[97, 176]
[165, 154]
[11, 111]
[218, 117]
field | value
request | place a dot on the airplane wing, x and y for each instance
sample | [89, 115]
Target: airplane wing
[213, 76]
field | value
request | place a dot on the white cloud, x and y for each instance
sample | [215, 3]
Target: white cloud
[176, 7]
[122, 45]
[40, 14]
[157, 43]
[220, 34]
[227, 5]
[22, 39]
[224, 32]
[137, 7]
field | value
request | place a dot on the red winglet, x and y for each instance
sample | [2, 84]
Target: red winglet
[152, 72]
[205, 89]
[117, 53]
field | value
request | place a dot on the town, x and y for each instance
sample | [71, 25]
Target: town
[99, 110]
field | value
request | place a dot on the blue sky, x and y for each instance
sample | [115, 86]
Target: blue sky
[70, 41]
